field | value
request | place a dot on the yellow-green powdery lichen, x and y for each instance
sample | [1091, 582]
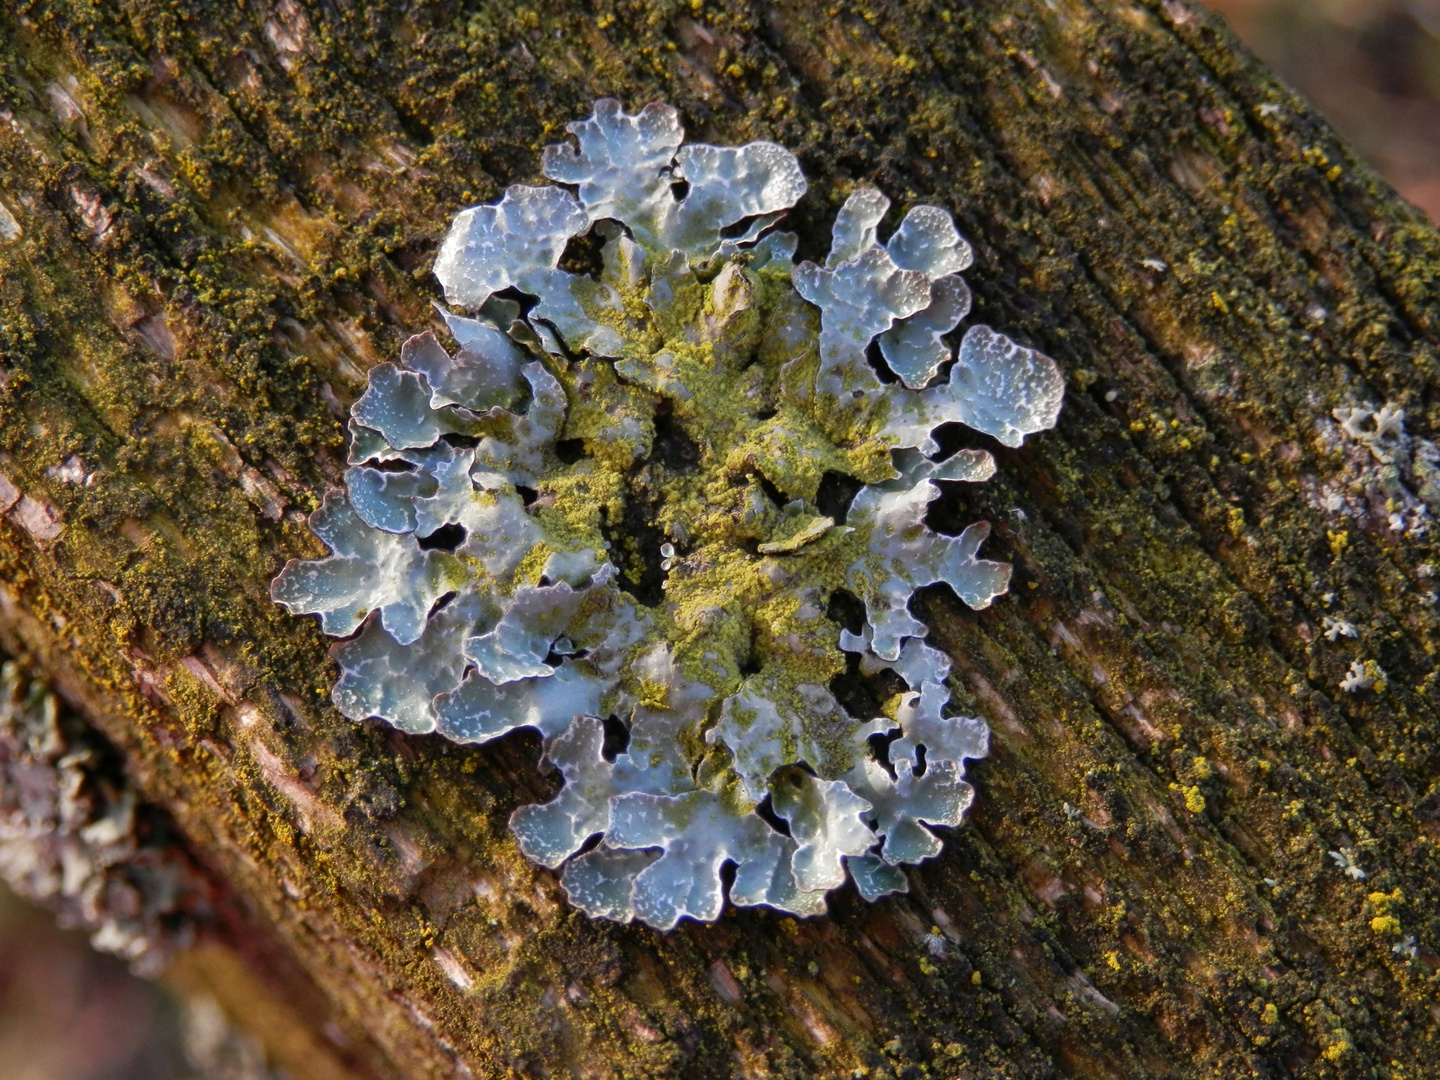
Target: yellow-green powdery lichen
[616, 514]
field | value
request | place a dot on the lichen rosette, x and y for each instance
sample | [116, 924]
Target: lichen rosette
[607, 512]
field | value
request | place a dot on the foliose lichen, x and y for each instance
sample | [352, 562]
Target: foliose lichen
[606, 516]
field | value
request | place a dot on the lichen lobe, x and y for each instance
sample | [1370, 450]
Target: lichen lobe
[602, 514]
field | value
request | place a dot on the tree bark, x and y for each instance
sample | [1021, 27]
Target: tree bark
[224, 215]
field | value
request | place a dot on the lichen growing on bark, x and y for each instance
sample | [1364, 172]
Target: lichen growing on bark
[500, 546]
[75, 836]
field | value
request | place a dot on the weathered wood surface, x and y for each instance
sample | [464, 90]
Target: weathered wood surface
[226, 215]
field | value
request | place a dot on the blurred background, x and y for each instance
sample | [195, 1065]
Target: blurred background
[1372, 67]
[68, 1012]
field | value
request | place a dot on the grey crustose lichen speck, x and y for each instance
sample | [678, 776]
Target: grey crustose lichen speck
[499, 547]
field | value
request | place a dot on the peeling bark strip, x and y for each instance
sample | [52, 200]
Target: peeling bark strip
[1147, 888]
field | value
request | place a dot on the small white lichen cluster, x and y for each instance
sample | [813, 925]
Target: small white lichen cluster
[1363, 675]
[69, 840]
[1346, 859]
[1335, 628]
[1391, 478]
[668, 423]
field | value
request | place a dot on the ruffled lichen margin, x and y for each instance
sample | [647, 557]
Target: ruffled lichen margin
[611, 514]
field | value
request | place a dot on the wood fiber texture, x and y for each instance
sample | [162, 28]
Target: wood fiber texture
[226, 214]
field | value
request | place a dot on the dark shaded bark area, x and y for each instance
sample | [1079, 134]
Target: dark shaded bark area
[224, 215]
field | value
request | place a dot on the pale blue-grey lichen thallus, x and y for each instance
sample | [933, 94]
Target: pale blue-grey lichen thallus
[485, 580]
